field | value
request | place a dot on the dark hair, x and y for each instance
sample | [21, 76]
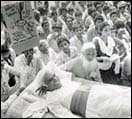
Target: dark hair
[37, 16]
[114, 12]
[89, 5]
[78, 13]
[46, 3]
[44, 23]
[62, 9]
[115, 3]
[70, 9]
[4, 48]
[98, 17]
[119, 24]
[103, 25]
[61, 39]
[106, 7]
[42, 11]
[53, 13]
[96, 3]
[95, 14]
[91, 10]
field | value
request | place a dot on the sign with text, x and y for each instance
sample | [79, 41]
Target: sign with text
[19, 19]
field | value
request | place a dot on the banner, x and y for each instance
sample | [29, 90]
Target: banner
[19, 19]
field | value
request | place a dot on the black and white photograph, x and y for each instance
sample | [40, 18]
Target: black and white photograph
[65, 59]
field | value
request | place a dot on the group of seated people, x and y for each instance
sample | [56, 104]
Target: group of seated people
[83, 40]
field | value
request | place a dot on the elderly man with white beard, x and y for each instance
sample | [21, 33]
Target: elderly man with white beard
[86, 65]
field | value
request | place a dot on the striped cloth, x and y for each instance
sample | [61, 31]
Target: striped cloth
[79, 102]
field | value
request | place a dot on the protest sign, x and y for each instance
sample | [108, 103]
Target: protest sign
[19, 19]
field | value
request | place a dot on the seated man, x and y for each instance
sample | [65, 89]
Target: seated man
[29, 64]
[61, 96]
[85, 66]
[44, 52]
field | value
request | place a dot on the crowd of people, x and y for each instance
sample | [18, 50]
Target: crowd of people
[90, 39]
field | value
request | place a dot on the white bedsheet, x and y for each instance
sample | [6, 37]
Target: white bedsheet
[109, 101]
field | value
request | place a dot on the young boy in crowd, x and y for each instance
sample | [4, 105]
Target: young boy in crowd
[66, 52]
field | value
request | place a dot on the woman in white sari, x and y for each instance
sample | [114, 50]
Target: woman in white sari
[109, 62]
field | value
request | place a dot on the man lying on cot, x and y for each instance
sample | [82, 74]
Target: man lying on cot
[61, 96]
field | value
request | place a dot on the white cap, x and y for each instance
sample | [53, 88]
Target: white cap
[87, 46]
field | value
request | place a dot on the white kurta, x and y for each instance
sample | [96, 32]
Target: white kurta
[75, 42]
[63, 58]
[29, 71]
[44, 58]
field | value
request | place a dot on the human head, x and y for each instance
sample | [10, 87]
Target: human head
[89, 51]
[89, 4]
[98, 5]
[122, 6]
[53, 8]
[98, 19]
[121, 33]
[69, 21]
[113, 32]
[63, 11]
[54, 15]
[114, 15]
[43, 46]
[127, 16]
[57, 27]
[78, 15]
[91, 11]
[42, 11]
[63, 4]
[63, 42]
[48, 78]
[106, 9]
[105, 29]
[45, 24]
[71, 10]
[28, 53]
[119, 24]
[87, 23]
[77, 29]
